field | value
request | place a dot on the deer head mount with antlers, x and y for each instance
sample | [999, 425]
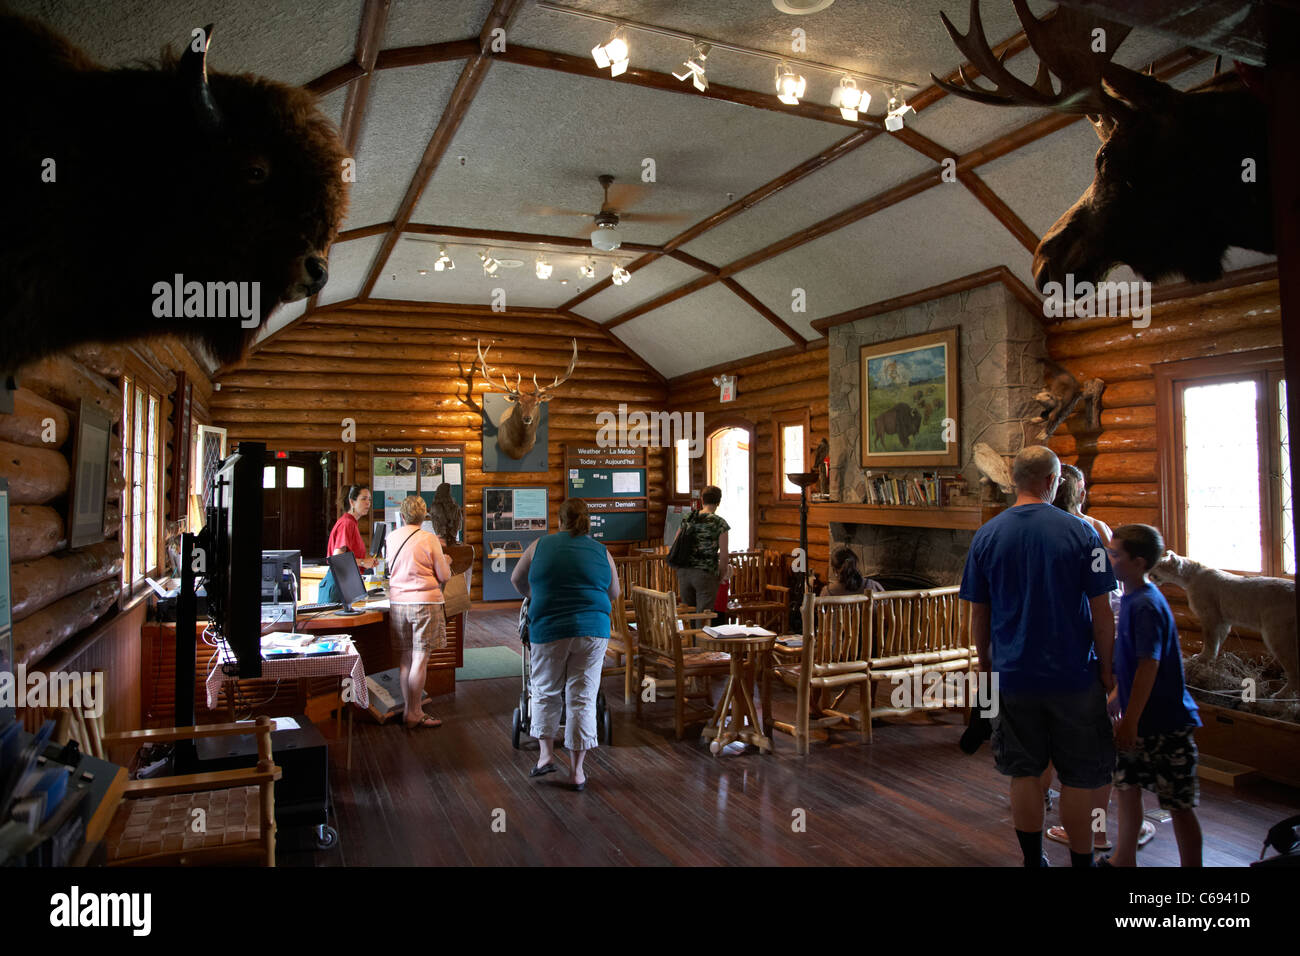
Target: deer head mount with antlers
[1171, 191]
[517, 430]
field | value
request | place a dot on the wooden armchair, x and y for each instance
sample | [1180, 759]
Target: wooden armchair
[155, 825]
[835, 648]
[620, 651]
[751, 598]
[661, 645]
[918, 632]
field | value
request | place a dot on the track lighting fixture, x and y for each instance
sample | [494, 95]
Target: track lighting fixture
[850, 100]
[544, 268]
[789, 84]
[620, 275]
[613, 53]
[443, 263]
[589, 270]
[693, 68]
[898, 108]
[490, 265]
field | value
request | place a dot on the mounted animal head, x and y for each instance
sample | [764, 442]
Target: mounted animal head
[1168, 196]
[1171, 569]
[517, 430]
[227, 180]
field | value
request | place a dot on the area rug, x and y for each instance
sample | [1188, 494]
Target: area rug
[487, 663]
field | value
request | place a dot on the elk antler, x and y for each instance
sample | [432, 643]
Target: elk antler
[1063, 41]
[558, 381]
[504, 386]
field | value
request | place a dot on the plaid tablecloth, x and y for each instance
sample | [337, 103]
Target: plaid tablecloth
[319, 665]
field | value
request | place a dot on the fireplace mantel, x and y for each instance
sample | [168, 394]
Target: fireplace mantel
[956, 517]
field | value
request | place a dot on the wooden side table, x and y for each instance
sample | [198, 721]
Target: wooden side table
[737, 703]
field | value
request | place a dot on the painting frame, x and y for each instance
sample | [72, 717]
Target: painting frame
[887, 380]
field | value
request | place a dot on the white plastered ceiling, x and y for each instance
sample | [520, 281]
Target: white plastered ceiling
[537, 137]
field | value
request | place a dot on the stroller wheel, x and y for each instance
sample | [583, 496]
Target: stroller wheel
[606, 727]
[516, 726]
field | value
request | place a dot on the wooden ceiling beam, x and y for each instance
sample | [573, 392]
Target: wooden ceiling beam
[672, 295]
[361, 232]
[500, 235]
[331, 81]
[749, 299]
[427, 53]
[657, 375]
[693, 262]
[1000, 210]
[608, 282]
[471, 78]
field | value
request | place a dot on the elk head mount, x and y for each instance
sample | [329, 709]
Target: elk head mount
[517, 430]
[1171, 191]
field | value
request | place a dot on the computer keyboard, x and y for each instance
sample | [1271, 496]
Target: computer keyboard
[376, 592]
[315, 608]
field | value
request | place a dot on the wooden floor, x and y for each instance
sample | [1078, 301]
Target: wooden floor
[911, 798]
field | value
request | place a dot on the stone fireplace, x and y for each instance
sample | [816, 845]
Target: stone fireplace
[1001, 347]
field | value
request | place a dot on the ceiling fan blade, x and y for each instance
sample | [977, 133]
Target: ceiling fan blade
[623, 195]
[530, 209]
[655, 217]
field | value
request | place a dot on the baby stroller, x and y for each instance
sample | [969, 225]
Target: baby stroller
[523, 715]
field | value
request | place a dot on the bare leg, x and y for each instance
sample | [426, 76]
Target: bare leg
[578, 775]
[1187, 831]
[1076, 815]
[1101, 801]
[1027, 803]
[1130, 824]
[545, 746]
[413, 677]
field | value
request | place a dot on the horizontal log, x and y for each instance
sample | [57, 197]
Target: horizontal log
[36, 475]
[1189, 309]
[106, 360]
[66, 382]
[752, 387]
[592, 384]
[1136, 416]
[1135, 362]
[35, 637]
[1128, 395]
[424, 363]
[1124, 467]
[1123, 495]
[519, 348]
[32, 419]
[812, 357]
[1170, 332]
[1067, 445]
[1115, 517]
[385, 399]
[37, 584]
[474, 321]
[34, 531]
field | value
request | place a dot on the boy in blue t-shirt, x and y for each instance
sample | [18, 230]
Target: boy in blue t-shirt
[1154, 734]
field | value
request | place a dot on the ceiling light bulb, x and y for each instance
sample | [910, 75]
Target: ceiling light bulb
[898, 108]
[490, 265]
[613, 53]
[606, 237]
[620, 275]
[443, 263]
[693, 68]
[850, 99]
[789, 84]
[544, 269]
[589, 270]
[424, 272]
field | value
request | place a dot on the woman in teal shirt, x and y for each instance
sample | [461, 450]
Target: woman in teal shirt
[571, 584]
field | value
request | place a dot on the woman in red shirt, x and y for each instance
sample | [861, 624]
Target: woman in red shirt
[346, 535]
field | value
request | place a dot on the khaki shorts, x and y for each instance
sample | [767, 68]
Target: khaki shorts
[417, 627]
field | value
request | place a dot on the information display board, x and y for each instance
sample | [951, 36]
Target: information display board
[398, 470]
[513, 518]
[613, 483]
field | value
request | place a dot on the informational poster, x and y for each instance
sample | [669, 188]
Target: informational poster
[612, 481]
[627, 482]
[400, 470]
[513, 518]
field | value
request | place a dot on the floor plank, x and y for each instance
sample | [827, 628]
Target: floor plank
[911, 798]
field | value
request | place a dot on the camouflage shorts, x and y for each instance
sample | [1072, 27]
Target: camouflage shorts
[1165, 764]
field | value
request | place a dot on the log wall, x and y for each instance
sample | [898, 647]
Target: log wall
[787, 382]
[1120, 462]
[404, 375]
[61, 598]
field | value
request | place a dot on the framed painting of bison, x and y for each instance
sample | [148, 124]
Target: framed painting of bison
[908, 401]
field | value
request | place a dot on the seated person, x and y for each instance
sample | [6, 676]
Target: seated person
[845, 576]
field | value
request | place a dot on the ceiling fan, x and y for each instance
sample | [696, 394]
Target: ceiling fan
[606, 236]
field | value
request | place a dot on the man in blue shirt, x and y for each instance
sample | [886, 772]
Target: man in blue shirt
[1039, 580]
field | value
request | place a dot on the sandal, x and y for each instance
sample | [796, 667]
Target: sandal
[424, 721]
[1147, 833]
[1058, 835]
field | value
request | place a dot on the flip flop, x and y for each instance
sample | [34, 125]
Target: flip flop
[1058, 835]
[543, 770]
[1147, 834]
[425, 721]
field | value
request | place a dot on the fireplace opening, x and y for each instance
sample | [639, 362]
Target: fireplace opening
[904, 581]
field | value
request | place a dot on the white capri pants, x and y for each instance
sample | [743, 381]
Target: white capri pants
[570, 666]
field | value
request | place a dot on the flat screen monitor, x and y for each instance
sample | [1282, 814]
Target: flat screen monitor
[347, 576]
[234, 567]
[275, 587]
[379, 532]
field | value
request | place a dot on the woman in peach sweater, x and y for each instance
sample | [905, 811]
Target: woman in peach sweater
[417, 569]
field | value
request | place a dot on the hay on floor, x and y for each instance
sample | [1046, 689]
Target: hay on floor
[1221, 682]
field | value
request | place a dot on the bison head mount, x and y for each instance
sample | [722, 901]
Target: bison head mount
[157, 174]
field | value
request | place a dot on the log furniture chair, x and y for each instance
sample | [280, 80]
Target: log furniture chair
[751, 598]
[620, 650]
[155, 825]
[660, 639]
[918, 632]
[836, 643]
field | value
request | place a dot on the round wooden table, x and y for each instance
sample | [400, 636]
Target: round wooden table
[737, 704]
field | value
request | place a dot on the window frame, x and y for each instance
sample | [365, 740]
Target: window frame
[782, 420]
[135, 382]
[1266, 368]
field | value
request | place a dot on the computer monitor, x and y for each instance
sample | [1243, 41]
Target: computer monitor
[275, 587]
[234, 534]
[378, 534]
[347, 577]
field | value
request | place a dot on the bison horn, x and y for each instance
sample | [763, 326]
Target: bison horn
[194, 73]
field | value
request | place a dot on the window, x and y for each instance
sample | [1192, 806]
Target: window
[268, 476]
[141, 469]
[1225, 482]
[790, 451]
[295, 476]
[729, 466]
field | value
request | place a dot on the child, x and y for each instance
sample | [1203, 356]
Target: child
[1154, 735]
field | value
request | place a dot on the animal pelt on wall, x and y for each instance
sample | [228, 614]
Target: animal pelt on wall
[1220, 600]
[1061, 395]
[118, 180]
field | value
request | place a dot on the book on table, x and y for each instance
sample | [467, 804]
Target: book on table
[738, 630]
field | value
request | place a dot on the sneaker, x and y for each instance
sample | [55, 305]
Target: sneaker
[1049, 799]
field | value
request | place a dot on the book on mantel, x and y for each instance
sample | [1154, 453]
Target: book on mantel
[737, 630]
